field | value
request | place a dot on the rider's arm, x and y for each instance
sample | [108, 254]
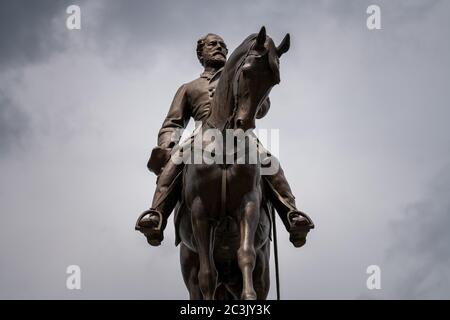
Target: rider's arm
[177, 119]
[263, 109]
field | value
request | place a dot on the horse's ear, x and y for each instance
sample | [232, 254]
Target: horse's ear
[284, 45]
[261, 39]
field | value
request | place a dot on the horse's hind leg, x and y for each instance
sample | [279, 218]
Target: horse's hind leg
[204, 236]
[246, 253]
[189, 269]
[261, 274]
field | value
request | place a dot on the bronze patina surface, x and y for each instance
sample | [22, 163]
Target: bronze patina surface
[223, 212]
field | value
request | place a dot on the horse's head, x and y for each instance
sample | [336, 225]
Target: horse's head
[259, 72]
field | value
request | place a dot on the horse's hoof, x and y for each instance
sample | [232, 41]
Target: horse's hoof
[248, 296]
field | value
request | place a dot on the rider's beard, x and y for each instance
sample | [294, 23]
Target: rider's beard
[216, 61]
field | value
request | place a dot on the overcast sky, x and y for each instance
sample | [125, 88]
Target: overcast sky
[363, 118]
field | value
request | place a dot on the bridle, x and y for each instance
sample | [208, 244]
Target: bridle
[237, 75]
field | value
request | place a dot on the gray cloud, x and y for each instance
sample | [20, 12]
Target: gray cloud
[13, 124]
[419, 255]
[26, 30]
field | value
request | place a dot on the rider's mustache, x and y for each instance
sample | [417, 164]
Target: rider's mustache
[219, 52]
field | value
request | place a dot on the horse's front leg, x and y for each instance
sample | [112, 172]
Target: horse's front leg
[204, 236]
[246, 252]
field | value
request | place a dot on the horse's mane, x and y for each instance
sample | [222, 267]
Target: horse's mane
[223, 102]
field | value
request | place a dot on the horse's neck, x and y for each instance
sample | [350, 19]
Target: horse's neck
[222, 105]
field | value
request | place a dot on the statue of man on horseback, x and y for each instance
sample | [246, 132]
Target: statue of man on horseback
[227, 95]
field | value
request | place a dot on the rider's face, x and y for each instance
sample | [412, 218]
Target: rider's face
[214, 51]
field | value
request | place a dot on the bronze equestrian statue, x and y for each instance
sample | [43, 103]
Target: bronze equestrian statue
[222, 211]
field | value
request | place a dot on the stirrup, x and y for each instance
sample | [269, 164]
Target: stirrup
[304, 215]
[148, 212]
[154, 235]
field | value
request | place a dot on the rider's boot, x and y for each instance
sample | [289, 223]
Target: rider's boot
[297, 223]
[153, 221]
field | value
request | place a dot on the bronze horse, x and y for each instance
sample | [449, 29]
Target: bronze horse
[223, 220]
